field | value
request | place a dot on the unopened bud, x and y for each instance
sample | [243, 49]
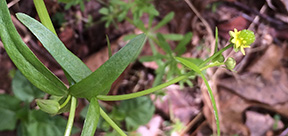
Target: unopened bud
[230, 63]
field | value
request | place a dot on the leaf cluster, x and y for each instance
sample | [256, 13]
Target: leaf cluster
[17, 114]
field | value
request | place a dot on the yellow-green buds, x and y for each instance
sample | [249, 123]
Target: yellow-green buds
[241, 39]
[230, 63]
[49, 106]
[220, 58]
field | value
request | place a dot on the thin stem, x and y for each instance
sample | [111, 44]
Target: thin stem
[211, 65]
[71, 117]
[213, 103]
[111, 122]
[144, 92]
[43, 15]
[66, 101]
[215, 55]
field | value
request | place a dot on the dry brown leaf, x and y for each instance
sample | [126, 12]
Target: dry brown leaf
[181, 103]
[255, 121]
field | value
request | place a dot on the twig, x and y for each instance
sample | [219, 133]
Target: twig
[191, 124]
[272, 21]
[12, 3]
[208, 28]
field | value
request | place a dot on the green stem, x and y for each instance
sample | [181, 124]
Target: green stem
[66, 101]
[138, 94]
[211, 65]
[213, 103]
[215, 55]
[43, 15]
[71, 117]
[111, 122]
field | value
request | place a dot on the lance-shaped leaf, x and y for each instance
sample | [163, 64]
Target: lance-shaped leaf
[69, 62]
[107, 73]
[92, 118]
[30, 66]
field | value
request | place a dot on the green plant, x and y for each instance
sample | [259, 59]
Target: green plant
[70, 3]
[116, 10]
[132, 113]
[84, 83]
[31, 122]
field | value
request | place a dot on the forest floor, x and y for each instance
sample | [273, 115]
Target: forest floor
[253, 100]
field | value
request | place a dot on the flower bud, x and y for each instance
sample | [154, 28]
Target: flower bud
[220, 58]
[49, 106]
[230, 63]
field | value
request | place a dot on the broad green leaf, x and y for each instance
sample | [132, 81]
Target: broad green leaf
[24, 59]
[23, 89]
[164, 21]
[39, 123]
[8, 109]
[137, 112]
[181, 47]
[92, 118]
[69, 62]
[107, 73]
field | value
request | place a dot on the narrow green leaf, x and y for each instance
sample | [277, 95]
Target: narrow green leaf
[213, 103]
[164, 21]
[109, 46]
[159, 75]
[24, 59]
[43, 14]
[189, 64]
[69, 62]
[92, 118]
[104, 11]
[107, 73]
[216, 40]
[181, 47]
[163, 44]
[198, 71]
[173, 37]
[158, 56]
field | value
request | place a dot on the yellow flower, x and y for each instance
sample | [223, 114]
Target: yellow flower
[241, 39]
